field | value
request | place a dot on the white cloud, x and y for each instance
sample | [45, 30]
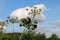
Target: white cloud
[55, 24]
[58, 22]
[40, 17]
[57, 27]
[49, 29]
[23, 13]
[20, 13]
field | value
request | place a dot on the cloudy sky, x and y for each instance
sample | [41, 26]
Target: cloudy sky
[51, 23]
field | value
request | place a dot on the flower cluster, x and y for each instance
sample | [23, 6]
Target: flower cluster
[28, 16]
[27, 22]
[3, 24]
[12, 19]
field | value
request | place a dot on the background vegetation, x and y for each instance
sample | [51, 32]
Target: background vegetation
[30, 35]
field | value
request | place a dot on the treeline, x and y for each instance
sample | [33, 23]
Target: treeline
[27, 36]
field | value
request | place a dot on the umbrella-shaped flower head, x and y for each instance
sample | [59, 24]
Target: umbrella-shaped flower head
[29, 16]
[40, 7]
[3, 24]
[13, 19]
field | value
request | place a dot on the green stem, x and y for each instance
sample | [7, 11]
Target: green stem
[33, 17]
[2, 35]
[21, 35]
[13, 28]
[13, 33]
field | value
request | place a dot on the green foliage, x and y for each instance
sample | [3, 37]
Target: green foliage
[30, 35]
[54, 37]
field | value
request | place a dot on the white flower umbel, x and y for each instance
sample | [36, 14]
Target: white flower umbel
[41, 6]
[13, 19]
[3, 25]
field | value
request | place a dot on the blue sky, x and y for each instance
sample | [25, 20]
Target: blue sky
[7, 6]
[52, 15]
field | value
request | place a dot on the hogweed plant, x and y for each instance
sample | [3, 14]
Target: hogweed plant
[12, 20]
[27, 17]
[29, 22]
[3, 25]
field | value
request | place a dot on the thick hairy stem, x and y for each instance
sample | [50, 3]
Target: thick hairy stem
[33, 17]
[2, 34]
[13, 28]
[21, 35]
[13, 33]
